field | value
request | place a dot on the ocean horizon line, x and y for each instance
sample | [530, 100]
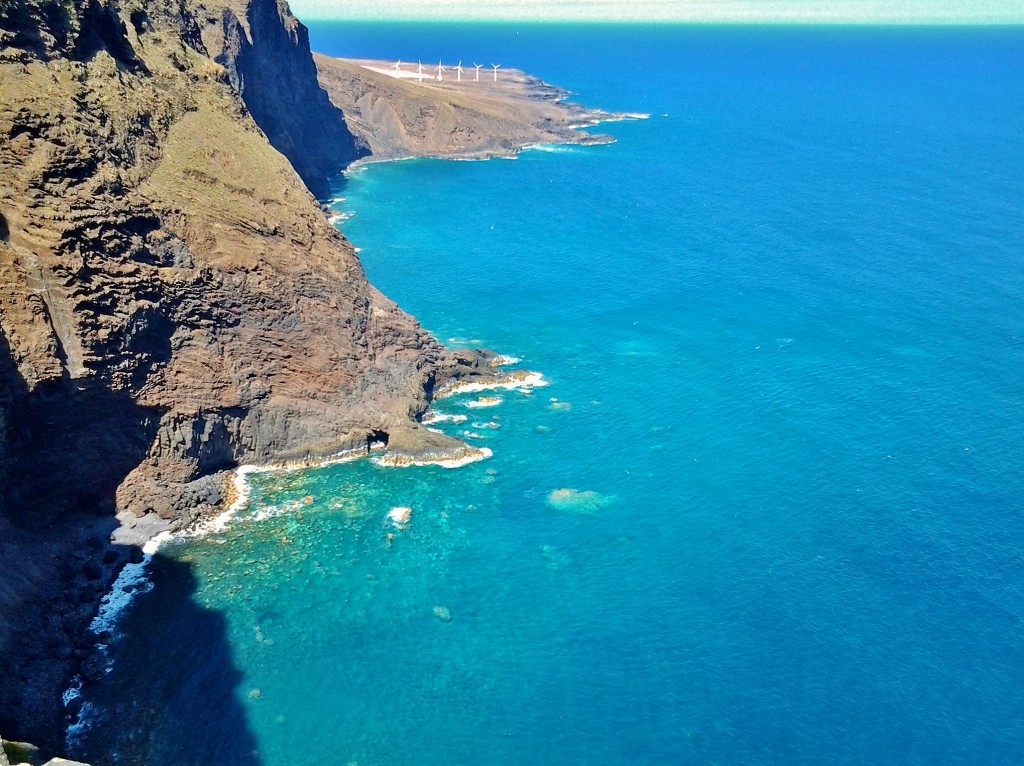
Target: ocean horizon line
[787, 23]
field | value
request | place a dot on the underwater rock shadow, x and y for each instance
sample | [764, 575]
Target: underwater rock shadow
[172, 695]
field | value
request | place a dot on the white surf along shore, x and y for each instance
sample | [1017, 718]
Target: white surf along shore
[134, 577]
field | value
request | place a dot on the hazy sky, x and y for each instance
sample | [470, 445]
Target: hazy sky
[872, 11]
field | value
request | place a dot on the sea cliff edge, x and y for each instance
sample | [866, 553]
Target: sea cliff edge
[175, 303]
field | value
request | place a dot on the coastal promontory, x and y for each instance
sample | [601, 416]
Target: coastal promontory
[400, 111]
[174, 302]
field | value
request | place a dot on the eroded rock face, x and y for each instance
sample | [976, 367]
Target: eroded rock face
[166, 272]
[266, 53]
[173, 300]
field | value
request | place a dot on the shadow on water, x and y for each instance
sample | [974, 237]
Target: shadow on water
[338, 187]
[173, 694]
[65, 446]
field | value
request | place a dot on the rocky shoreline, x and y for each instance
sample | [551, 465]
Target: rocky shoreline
[398, 116]
[176, 304]
[25, 754]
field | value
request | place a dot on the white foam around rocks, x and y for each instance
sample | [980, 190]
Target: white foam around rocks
[525, 380]
[470, 455]
[399, 516]
[433, 416]
[485, 401]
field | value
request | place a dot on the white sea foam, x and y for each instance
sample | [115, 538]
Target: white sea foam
[465, 341]
[399, 516]
[622, 117]
[485, 401]
[130, 581]
[85, 715]
[242, 489]
[472, 455]
[551, 148]
[267, 512]
[432, 416]
[523, 380]
[502, 360]
[359, 166]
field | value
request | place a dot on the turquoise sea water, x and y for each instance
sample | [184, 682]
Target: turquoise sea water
[782, 325]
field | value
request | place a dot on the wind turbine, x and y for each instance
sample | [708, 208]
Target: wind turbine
[478, 67]
[419, 70]
[397, 65]
[440, 69]
[495, 67]
[459, 70]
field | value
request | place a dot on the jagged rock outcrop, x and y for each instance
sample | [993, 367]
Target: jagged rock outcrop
[173, 300]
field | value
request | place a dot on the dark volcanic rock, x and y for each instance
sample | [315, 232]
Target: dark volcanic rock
[267, 57]
[173, 301]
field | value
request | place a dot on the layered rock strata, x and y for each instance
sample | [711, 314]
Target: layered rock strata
[173, 302]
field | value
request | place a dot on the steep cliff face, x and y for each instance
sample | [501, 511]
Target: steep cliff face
[266, 53]
[173, 300]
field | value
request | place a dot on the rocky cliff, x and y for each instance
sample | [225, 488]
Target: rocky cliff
[173, 302]
[266, 53]
[398, 115]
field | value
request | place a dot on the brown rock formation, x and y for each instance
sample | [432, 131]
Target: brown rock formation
[173, 302]
[266, 53]
[401, 117]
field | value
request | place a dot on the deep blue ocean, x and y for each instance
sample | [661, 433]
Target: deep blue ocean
[782, 322]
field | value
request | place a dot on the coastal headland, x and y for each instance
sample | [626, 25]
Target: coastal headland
[399, 114]
[175, 304]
